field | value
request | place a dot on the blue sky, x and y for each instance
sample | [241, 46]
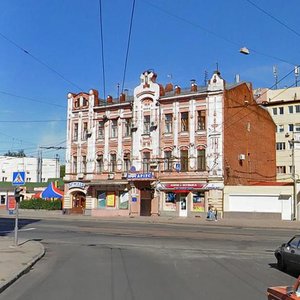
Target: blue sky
[178, 38]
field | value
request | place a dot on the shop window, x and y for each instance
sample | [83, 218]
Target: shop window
[168, 123]
[198, 201]
[111, 199]
[184, 121]
[101, 196]
[170, 197]
[2, 199]
[201, 120]
[124, 200]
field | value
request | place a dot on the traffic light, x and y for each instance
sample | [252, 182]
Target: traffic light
[18, 195]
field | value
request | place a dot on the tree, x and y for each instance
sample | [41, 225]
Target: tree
[19, 153]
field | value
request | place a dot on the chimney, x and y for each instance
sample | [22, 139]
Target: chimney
[122, 97]
[109, 99]
[193, 85]
[169, 87]
[237, 78]
[177, 90]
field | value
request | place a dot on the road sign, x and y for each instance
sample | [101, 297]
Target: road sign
[18, 178]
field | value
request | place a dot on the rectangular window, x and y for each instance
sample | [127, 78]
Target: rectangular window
[146, 162]
[201, 161]
[274, 111]
[184, 121]
[114, 128]
[280, 146]
[168, 123]
[84, 131]
[99, 161]
[281, 169]
[184, 160]
[297, 108]
[291, 109]
[170, 197]
[167, 161]
[75, 132]
[280, 128]
[281, 110]
[291, 127]
[100, 129]
[83, 164]
[201, 120]
[297, 127]
[2, 199]
[127, 131]
[74, 164]
[126, 162]
[146, 124]
[113, 162]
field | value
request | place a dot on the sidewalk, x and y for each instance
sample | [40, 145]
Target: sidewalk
[17, 260]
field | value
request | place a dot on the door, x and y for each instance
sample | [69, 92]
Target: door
[78, 203]
[182, 206]
[146, 198]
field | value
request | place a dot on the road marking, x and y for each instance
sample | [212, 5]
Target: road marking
[25, 229]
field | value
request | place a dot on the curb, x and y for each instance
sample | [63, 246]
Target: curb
[25, 269]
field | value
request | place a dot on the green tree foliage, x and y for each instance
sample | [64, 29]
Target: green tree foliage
[19, 153]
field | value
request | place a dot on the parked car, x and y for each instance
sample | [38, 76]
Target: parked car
[285, 292]
[288, 254]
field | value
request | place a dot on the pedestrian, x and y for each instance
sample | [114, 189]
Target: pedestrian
[210, 213]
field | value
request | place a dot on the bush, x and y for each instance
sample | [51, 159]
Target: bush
[41, 204]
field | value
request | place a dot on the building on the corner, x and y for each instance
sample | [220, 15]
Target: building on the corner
[165, 150]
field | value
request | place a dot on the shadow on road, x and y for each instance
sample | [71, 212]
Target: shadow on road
[7, 225]
[292, 272]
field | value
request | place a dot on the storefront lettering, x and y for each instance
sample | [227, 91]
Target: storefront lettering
[76, 184]
[139, 176]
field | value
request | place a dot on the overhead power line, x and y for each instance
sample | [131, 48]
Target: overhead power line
[128, 44]
[31, 121]
[39, 61]
[274, 18]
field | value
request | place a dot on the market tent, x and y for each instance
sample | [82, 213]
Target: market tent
[50, 192]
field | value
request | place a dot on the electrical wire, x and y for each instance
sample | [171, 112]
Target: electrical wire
[40, 61]
[128, 45]
[216, 34]
[102, 46]
[274, 18]
[31, 121]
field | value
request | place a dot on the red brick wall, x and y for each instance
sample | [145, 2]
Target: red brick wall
[249, 130]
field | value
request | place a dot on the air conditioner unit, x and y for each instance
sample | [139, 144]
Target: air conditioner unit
[242, 157]
[124, 175]
[111, 176]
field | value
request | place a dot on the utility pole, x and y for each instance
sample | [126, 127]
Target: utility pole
[294, 210]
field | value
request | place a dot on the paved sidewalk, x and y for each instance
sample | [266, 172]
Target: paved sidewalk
[17, 260]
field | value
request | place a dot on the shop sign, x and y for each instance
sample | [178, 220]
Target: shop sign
[139, 176]
[76, 184]
[184, 186]
[214, 186]
[11, 203]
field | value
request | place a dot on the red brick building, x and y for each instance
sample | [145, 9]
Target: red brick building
[166, 150]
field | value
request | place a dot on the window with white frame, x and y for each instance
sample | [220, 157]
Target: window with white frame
[201, 120]
[280, 128]
[281, 110]
[291, 109]
[201, 161]
[84, 131]
[127, 131]
[274, 111]
[100, 129]
[168, 160]
[280, 146]
[291, 127]
[184, 120]
[184, 160]
[168, 123]
[281, 169]
[75, 132]
[114, 128]
[146, 124]
[126, 162]
[297, 127]
[297, 108]
[146, 162]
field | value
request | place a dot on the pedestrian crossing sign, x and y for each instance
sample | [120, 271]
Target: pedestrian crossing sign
[18, 178]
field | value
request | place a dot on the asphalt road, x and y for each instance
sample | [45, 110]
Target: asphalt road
[141, 261]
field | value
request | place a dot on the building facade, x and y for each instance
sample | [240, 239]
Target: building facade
[166, 150]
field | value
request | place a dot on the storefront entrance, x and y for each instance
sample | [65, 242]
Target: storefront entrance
[78, 203]
[146, 197]
[182, 206]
